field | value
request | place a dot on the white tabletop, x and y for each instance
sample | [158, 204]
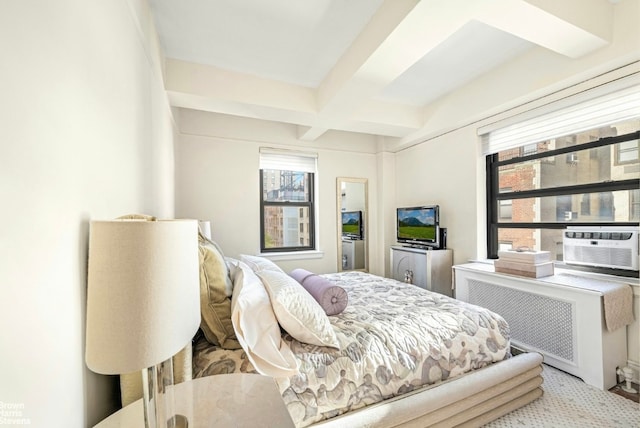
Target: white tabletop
[230, 400]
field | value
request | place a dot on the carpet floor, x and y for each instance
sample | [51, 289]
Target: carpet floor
[569, 402]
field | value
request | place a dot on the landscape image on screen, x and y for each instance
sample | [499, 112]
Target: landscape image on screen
[351, 223]
[416, 224]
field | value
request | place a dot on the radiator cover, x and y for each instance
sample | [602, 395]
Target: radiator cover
[538, 322]
[565, 323]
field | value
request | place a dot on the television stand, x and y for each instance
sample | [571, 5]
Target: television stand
[353, 254]
[427, 268]
[419, 247]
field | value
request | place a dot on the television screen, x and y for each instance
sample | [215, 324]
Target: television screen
[419, 225]
[352, 224]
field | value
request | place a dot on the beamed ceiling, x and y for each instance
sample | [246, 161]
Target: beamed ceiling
[366, 66]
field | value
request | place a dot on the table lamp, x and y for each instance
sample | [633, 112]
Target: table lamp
[143, 304]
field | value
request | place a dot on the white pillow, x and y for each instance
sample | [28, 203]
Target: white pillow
[258, 263]
[256, 326]
[297, 311]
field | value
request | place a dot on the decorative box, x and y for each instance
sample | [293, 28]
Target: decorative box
[532, 257]
[531, 270]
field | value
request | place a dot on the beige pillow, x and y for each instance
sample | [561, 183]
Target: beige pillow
[215, 293]
[256, 326]
[297, 311]
[258, 263]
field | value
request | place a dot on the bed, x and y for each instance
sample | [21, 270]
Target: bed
[377, 353]
[392, 355]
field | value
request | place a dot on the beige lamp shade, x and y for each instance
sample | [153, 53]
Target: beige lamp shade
[143, 303]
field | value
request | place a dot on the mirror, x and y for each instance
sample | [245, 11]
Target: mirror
[352, 224]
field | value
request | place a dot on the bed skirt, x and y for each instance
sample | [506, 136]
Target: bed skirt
[470, 400]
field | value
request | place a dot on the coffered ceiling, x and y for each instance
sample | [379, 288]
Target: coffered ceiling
[366, 66]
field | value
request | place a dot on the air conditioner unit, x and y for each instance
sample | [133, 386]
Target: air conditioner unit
[605, 246]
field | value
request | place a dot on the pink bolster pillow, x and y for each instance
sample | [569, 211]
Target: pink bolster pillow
[332, 298]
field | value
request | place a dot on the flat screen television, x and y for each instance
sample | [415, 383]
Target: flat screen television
[419, 226]
[352, 224]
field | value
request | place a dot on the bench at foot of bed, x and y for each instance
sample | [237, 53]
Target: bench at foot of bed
[470, 400]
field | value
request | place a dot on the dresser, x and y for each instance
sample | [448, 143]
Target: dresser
[428, 269]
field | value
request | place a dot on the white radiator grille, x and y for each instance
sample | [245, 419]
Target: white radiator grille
[536, 321]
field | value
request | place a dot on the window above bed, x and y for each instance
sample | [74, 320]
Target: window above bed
[287, 201]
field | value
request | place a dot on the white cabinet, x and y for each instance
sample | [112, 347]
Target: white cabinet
[428, 269]
[352, 254]
[560, 316]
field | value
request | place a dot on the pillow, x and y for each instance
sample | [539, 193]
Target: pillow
[260, 263]
[257, 328]
[297, 312]
[215, 297]
[233, 266]
[332, 298]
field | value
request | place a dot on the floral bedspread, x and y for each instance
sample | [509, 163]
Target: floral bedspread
[394, 338]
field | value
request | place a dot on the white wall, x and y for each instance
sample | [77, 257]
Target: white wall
[217, 179]
[386, 208]
[444, 173]
[86, 133]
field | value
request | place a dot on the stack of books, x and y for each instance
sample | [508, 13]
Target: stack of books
[532, 264]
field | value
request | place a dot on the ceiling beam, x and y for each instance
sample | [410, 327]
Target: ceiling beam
[198, 80]
[212, 89]
[567, 27]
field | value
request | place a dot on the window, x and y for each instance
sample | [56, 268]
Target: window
[505, 206]
[529, 149]
[634, 207]
[287, 208]
[585, 205]
[531, 198]
[627, 152]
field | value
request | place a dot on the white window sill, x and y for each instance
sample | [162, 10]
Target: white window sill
[293, 255]
[561, 267]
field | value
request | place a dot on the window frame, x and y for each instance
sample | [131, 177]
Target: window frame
[494, 196]
[310, 205]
